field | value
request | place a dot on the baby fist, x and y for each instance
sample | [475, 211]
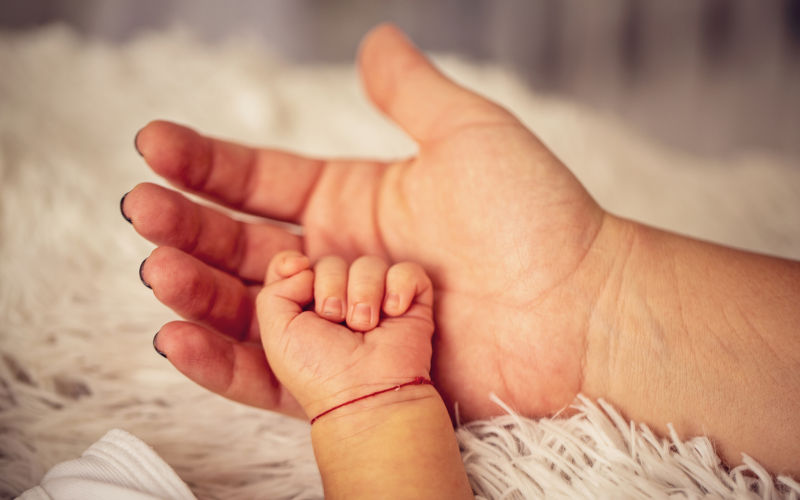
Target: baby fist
[370, 326]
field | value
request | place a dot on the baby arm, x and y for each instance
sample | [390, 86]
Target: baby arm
[395, 444]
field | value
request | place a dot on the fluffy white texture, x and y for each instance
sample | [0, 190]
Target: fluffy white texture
[76, 325]
[597, 454]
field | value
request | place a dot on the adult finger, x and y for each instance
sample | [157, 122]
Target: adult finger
[235, 370]
[167, 218]
[265, 182]
[365, 283]
[404, 84]
[200, 293]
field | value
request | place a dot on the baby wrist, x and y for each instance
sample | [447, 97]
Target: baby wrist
[383, 408]
[392, 436]
[415, 381]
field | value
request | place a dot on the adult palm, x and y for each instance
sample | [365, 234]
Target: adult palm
[503, 228]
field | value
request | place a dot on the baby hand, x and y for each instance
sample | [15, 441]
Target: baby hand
[370, 328]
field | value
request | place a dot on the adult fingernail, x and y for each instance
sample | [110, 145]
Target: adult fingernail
[122, 210]
[136, 143]
[155, 344]
[141, 266]
[332, 307]
[362, 314]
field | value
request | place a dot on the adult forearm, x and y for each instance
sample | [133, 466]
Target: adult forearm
[705, 337]
[397, 445]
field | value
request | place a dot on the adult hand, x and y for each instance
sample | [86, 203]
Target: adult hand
[539, 293]
[500, 224]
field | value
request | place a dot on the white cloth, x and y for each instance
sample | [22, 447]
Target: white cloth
[118, 466]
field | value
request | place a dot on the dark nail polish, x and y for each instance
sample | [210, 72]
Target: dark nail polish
[155, 345]
[136, 144]
[121, 201]
[142, 277]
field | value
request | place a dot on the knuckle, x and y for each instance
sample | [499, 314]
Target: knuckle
[331, 271]
[410, 268]
[279, 257]
[286, 254]
[405, 272]
[369, 261]
[363, 292]
[331, 261]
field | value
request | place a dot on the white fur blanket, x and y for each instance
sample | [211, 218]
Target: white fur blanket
[76, 325]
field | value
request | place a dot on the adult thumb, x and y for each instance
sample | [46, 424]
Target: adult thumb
[407, 87]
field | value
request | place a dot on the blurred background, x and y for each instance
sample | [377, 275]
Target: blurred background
[715, 77]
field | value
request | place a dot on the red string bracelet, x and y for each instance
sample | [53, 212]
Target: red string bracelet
[416, 381]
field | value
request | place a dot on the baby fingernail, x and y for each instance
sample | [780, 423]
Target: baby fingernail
[121, 203]
[332, 307]
[362, 314]
[393, 301]
[141, 277]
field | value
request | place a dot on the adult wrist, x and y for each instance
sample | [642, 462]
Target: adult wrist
[608, 343]
[699, 335]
